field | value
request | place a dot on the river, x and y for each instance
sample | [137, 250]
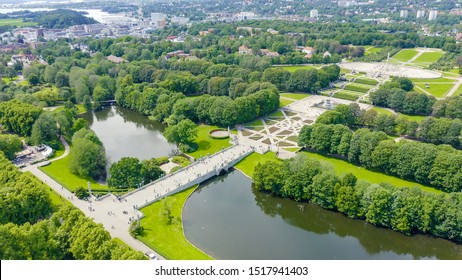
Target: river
[228, 219]
[125, 133]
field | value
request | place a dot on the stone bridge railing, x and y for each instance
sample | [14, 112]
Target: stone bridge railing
[192, 182]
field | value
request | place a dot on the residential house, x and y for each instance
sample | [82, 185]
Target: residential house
[309, 51]
[245, 50]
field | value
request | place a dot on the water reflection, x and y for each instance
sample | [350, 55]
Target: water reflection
[125, 133]
[228, 219]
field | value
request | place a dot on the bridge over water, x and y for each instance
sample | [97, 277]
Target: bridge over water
[117, 213]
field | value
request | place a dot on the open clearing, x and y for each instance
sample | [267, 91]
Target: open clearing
[405, 54]
[342, 167]
[437, 90]
[166, 238]
[16, 22]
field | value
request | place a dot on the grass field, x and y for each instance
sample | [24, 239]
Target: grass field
[169, 239]
[458, 91]
[382, 110]
[348, 95]
[358, 87]
[284, 102]
[437, 90]
[295, 68]
[428, 57]
[16, 22]
[277, 114]
[207, 144]
[256, 122]
[59, 171]
[405, 54]
[371, 50]
[365, 81]
[437, 80]
[413, 117]
[247, 165]
[295, 96]
[342, 167]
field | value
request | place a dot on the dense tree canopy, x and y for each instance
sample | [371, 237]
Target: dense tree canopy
[87, 157]
[18, 116]
[408, 210]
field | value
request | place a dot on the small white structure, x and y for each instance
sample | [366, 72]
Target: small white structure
[433, 15]
[420, 13]
[314, 13]
[403, 13]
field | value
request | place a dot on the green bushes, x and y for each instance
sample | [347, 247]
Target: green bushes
[407, 210]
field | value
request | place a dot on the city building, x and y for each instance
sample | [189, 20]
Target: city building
[179, 20]
[245, 16]
[245, 50]
[420, 13]
[314, 13]
[432, 15]
[158, 19]
[403, 14]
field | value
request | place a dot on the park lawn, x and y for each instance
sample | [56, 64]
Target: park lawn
[169, 240]
[295, 68]
[59, 171]
[24, 83]
[342, 167]
[16, 21]
[59, 152]
[458, 91]
[436, 80]
[296, 96]
[366, 81]
[81, 108]
[256, 122]
[348, 95]
[207, 144]
[405, 54]
[371, 50]
[413, 117]
[276, 114]
[437, 90]
[247, 165]
[365, 86]
[381, 110]
[284, 102]
[428, 57]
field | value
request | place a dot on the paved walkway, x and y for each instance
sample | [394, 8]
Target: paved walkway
[116, 214]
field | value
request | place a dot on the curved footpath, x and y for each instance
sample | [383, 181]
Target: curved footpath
[92, 208]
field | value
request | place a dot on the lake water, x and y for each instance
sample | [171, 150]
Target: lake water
[96, 14]
[125, 133]
[228, 219]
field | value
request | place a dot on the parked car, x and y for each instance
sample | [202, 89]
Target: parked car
[151, 255]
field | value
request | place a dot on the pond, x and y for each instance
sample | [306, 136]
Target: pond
[125, 133]
[226, 218]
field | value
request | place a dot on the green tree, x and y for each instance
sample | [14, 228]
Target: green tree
[44, 129]
[126, 173]
[151, 170]
[185, 132]
[10, 145]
